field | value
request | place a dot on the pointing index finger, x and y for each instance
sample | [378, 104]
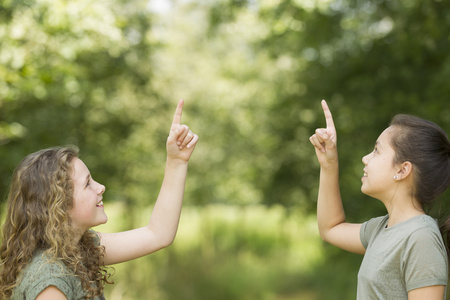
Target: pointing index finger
[328, 116]
[178, 111]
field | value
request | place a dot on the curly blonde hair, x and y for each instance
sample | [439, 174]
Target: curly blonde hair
[40, 197]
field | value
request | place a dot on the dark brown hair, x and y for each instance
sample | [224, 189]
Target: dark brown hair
[427, 147]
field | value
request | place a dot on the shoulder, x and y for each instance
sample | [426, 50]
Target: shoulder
[42, 265]
[43, 272]
[422, 228]
[95, 236]
[424, 244]
[424, 259]
[425, 231]
[41, 260]
[374, 224]
[370, 228]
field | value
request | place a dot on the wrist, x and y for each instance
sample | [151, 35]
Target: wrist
[176, 162]
[330, 166]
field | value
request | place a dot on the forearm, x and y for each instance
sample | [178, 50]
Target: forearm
[330, 211]
[166, 213]
[162, 227]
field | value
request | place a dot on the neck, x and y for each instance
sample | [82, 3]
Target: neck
[400, 203]
[78, 234]
[400, 211]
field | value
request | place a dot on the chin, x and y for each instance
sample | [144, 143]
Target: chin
[103, 220]
[365, 192]
[362, 190]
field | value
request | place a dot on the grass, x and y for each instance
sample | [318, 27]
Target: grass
[223, 252]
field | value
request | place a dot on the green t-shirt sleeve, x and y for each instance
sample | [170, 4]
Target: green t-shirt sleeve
[367, 229]
[41, 285]
[424, 261]
[96, 237]
[40, 275]
[363, 235]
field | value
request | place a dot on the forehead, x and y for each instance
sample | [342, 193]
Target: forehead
[80, 171]
[385, 137]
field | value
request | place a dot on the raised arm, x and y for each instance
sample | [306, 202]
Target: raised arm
[162, 227]
[330, 212]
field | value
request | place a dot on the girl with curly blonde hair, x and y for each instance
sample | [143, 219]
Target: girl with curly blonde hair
[48, 250]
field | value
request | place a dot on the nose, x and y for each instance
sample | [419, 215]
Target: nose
[366, 159]
[101, 189]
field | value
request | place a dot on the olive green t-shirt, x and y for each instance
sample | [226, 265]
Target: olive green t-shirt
[400, 258]
[40, 274]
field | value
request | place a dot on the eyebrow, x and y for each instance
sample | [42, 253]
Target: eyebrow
[378, 144]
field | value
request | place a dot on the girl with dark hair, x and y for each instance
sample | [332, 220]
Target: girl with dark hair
[48, 250]
[405, 256]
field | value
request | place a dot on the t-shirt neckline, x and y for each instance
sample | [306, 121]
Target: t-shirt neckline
[385, 223]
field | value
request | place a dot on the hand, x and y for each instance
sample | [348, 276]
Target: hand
[181, 141]
[325, 139]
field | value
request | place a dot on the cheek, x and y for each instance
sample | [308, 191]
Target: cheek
[79, 208]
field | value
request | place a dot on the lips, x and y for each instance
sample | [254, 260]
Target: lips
[99, 204]
[365, 173]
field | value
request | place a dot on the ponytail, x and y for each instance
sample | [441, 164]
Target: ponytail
[445, 231]
[444, 225]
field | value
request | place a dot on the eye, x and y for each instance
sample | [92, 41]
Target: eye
[375, 150]
[88, 183]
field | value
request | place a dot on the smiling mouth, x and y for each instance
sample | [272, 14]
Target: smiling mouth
[365, 174]
[100, 203]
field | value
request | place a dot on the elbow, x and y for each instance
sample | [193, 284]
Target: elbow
[167, 242]
[324, 235]
[159, 239]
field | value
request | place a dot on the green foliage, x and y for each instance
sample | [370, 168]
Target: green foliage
[76, 73]
[226, 252]
[361, 57]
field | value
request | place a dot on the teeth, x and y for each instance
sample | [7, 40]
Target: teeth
[365, 174]
[100, 203]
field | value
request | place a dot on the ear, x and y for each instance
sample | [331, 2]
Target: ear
[405, 170]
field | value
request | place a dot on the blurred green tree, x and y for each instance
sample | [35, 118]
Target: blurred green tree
[80, 73]
[369, 59]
